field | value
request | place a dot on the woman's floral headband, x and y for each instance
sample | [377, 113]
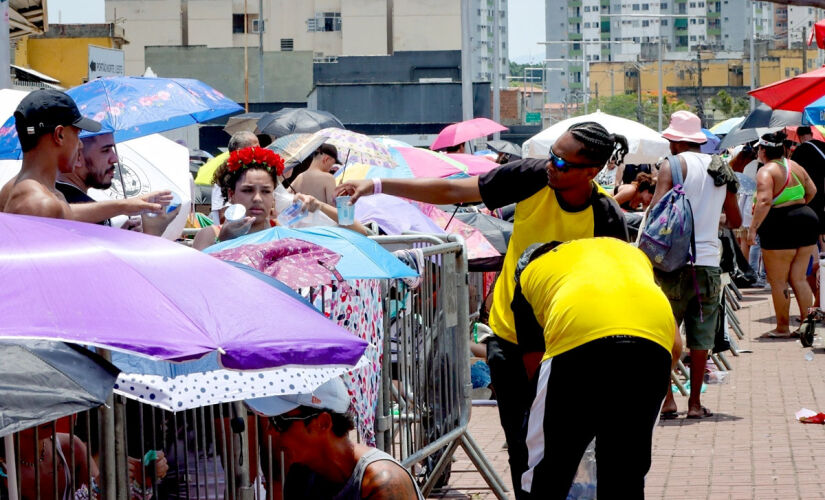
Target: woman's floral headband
[255, 157]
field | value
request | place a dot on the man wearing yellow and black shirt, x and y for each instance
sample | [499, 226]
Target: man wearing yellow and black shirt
[556, 199]
[590, 311]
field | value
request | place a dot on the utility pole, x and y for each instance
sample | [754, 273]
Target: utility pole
[261, 78]
[245, 58]
[597, 94]
[496, 67]
[700, 106]
[753, 66]
[466, 63]
[804, 50]
[639, 113]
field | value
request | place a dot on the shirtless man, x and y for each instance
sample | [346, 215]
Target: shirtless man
[317, 181]
[48, 123]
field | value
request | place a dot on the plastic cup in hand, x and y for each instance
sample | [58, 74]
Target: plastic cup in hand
[234, 212]
[346, 211]
[292, 214]
[174, 204]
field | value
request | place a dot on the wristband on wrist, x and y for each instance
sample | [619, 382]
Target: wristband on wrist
[376, 186]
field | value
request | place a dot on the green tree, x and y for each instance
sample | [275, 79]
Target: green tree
[729, 105]
[628, 106]
[517, 72]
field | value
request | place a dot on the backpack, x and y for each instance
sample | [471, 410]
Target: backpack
[667, 238]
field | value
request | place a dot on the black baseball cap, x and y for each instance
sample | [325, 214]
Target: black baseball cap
[42, 111]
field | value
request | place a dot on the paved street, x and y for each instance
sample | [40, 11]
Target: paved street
[752, 447]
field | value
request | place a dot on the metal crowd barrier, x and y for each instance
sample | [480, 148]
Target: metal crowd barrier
[425, 402]
[216, 452]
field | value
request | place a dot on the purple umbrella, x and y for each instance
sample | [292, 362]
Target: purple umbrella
[127, 291]
[394, 215]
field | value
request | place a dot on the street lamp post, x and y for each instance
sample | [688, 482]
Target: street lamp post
[654, 16]
[586, 65]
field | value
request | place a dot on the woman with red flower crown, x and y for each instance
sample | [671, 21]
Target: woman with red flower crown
[249, 178]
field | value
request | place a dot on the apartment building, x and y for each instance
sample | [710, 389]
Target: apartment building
[583, 32]
[327, 28]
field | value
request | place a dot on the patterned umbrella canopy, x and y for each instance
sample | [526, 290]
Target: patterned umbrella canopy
[131, 107]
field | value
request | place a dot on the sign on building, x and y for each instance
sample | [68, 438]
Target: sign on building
[532, 118]
[105, 62]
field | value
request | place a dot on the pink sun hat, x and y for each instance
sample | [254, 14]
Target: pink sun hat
[685, 126]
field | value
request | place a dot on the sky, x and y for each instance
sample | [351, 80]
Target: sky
[525, 29]
[76, 11]
[526, 23]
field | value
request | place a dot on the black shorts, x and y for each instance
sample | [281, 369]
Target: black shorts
[787, 228]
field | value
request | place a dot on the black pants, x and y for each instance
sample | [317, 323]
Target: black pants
[514, 396]
[611, 389]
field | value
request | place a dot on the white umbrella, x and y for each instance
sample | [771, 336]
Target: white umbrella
[151, 163]
[645, 145]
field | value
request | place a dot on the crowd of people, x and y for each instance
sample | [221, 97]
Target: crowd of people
[559, 328]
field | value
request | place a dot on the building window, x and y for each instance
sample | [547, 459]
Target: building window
[587, 8]
[664, 22]
[237, 22]
[635, 6]
[287, 44]
[701, 21]
[693, 21]
[645, 6]
[645, 24]
[692, 5]
[663, 5]
[325, 21]
[693, 38]
[595, 8]
[586, 25]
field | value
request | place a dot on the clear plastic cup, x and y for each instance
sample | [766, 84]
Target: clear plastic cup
[346, 211]
[292, 214]
[234, 212]
[174, 204]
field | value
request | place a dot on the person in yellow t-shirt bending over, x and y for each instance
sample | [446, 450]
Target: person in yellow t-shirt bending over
[598, 338]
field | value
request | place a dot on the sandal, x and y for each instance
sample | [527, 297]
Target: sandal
[705, 414]
[668, 415]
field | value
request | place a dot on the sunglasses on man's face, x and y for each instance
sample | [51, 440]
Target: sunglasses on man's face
[281, 423]
[562, 164]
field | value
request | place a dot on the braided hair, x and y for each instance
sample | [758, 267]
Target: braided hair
[599, 145]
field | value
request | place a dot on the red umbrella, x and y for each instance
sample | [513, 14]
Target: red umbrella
[461, 132]
[793, 94]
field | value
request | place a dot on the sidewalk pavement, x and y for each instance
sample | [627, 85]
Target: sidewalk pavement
[752, 448]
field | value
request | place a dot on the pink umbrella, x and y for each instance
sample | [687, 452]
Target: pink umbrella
[477, 245]
[476, 165]
[461, 132]
[297, 263]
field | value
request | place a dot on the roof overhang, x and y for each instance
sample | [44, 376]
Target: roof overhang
[27, 17]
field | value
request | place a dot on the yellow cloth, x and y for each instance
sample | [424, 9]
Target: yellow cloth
[576, 302]
[208, 169]
[538, 219]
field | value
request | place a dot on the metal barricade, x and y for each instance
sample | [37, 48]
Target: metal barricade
[216, 452]
[425, 401]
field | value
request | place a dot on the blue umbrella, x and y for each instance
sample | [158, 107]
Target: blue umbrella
[814, 113]
[360, 256]
[132, 107]
[726, 126]
[712, 144]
